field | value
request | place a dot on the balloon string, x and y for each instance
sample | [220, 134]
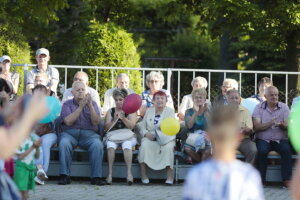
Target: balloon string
[113, 124]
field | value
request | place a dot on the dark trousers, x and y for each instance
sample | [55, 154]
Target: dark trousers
[283, 148]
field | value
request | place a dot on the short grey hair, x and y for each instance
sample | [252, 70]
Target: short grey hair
[229, 92]
[158, 75]
[234, 84]
[267, 90]
[82, 73]
[200, 79]
[122, 75]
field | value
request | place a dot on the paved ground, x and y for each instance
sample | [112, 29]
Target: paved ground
[156, 191]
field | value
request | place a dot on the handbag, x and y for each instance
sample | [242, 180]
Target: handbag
[120, 135]
[163, 139]
[197, 140]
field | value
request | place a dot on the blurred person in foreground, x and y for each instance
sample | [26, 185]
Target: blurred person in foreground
[12, 137]
[223, 177]
[25, 167]
[296, 182]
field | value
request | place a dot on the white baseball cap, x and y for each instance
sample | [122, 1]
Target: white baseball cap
[5, 57]
[42, 51]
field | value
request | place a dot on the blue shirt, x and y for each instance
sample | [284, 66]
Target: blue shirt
[84, 120]
[216, 180]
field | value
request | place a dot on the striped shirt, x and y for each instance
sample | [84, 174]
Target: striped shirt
[216, 180]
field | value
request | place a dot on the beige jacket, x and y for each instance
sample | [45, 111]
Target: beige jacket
[147, 124]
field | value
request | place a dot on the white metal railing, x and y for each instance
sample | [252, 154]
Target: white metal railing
[170, 73]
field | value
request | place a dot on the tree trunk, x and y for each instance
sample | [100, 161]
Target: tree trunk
[227, 55]
[293, 58]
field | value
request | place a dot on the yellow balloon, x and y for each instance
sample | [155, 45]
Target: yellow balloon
[170, 126]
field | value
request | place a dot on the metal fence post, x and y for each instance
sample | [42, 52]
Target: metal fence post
[25, 77]
[169, 79]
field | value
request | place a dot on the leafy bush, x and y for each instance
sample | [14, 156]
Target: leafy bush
[14, 44]
[109, 45]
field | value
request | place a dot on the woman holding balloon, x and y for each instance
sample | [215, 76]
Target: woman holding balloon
[118, 126]
[157, 149]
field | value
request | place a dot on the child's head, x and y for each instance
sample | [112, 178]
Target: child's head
[224, 127]
[41, 88]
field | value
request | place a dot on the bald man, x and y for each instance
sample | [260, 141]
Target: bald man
[80, 117]
[84, 78]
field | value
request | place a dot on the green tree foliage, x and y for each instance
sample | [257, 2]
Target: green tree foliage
[14, 44]
[109, 45]
[193, 45]
[271, 29]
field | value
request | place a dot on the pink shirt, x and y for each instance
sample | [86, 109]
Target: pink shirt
[263, 114]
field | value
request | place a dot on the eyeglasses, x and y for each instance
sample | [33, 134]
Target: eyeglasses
[153, 81]
[199, 97]
[226, 86]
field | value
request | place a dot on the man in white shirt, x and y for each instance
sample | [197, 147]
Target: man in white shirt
[122, 82]
[82, 77]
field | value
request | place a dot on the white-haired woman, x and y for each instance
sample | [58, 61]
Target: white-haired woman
[155, 82]
[228, 84]
[187, 100]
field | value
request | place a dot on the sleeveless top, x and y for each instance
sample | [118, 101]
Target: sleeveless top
[119, 124]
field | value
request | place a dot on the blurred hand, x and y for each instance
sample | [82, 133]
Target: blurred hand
[121, 115]
[37, 107]
[37, 143]
[246, 131]
[150, 136]
[283, 125]
[89, 99]
[201, 109]
[83, 102]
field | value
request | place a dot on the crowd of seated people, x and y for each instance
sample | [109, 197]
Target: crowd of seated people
[264, 131]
